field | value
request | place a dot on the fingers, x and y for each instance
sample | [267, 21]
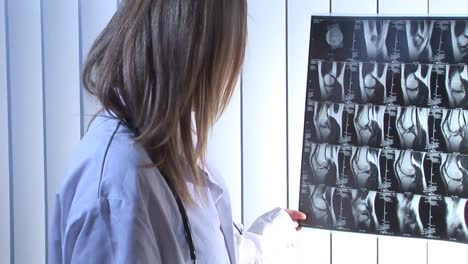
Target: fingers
[296, 215]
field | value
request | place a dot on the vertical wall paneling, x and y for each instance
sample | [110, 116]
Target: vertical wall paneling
[313, 246]
[357, 7]
[354, 248]
[94, 17]
[62, 88]
[224, 151]
[4, 144]
[311, 241]
[403, 7]
[264, 109]
[410, 250]
[27, 127]
[447, 252]
[364, 249]
[397, 249]
[448, 7]
[438, 251]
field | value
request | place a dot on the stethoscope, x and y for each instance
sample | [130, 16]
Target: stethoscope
[186, 222]
[181, 208]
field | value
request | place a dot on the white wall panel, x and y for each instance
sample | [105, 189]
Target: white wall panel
[402, 250]
[313, 246]
[400, 7]
[264, 109]
[448, 7]
[397, 249]
[4, 145]
[354, 7]
[27, 138]
[447, 252]
[353, 248]
[224, 151]
[311, 241]
[438, 251]
[94, 17]
[62, 88]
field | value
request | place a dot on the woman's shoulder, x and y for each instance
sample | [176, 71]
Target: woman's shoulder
[109, 164]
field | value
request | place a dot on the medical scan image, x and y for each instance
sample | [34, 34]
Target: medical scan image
[456, 85]
[324, 164]
[320, 205]
[365, 168]
[418, 37]
[372, 83]
[456, 219]
[369, 124]
[455, 130]
[334, 36]
[386, 126]
[375, 36]
[332, 39]
[412, 127]
[415, 84]
[364, 217]
[331, 80]
[409, 221]
[328, 122]
[454, 172]
[409, 171]
[459, 40]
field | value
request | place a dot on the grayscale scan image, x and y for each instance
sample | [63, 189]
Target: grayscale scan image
[385, 146]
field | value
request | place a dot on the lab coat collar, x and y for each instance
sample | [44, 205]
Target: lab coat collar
[223, 205]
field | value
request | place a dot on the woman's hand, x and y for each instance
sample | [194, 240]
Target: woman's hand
[296, 216]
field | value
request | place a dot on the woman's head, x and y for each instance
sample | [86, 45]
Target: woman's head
[158, 61]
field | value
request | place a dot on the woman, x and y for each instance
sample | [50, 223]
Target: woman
[138, 190]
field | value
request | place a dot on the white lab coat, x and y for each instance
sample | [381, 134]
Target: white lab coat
[111, 210]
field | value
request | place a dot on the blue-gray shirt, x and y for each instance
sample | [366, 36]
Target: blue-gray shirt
[111, 210]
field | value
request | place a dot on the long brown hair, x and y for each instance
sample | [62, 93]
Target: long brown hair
[156, 62]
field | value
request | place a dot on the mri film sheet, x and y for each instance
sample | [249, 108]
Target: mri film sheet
[385, 146]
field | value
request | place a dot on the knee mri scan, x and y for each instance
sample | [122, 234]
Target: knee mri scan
[385, 147]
